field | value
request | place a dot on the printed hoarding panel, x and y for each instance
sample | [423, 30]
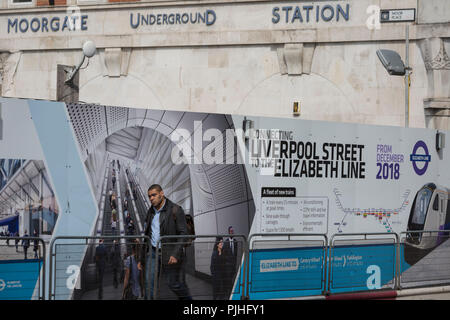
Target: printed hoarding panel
[311, 177]
[280, 177]
[18, 278]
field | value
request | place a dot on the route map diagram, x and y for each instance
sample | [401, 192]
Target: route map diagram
[382, 216]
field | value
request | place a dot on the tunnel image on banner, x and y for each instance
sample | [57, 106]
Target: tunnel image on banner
[126, 150]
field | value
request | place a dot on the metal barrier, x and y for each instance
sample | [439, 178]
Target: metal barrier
[267, 266]
[81, 269]
[279, 265]
[202, 272]
[426, 258]
[363, 261]
[22, 268]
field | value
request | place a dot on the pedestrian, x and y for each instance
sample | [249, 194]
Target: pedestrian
[114, 215]
[131, 228]
[114, 181]
[25, 244]
[113, 227]
[131, 282]
[36, 245]
[110, 193]
[165, 218]
[113, 201]
[230, 249]
[100, 262]
[115, 262]
[16, 241]
[218, 270]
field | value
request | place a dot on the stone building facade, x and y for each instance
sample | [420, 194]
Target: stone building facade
[234, 57]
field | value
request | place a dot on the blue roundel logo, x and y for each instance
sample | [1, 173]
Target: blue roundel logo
[420, 157]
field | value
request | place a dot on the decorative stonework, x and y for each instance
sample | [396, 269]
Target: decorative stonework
[296, 58]
[3, 57]
[439, 62]
[115, 61]
[8, 68]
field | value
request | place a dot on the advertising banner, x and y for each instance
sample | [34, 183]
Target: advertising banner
[276, 182]
[311, 177]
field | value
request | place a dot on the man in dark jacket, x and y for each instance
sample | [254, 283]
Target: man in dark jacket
[165, 218]
[230, 249]
[100, 261]
[115, 262]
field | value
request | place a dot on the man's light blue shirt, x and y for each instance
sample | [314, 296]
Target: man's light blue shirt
[155, 226]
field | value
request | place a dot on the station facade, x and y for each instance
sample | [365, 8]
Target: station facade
[234, 57]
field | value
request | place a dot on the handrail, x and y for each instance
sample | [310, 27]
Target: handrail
[194, 237]
[86, 238]
[329, 245]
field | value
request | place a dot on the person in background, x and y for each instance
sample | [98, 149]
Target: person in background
[35, 245]
[230, 249]
[100, 262]
[16, 241]
[132, 277]
[218, 270]
[25, 244]
[115, 262]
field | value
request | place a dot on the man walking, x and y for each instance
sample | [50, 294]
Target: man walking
[165, 218]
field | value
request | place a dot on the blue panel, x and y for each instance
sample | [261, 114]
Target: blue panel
[278, 273]
[299, 272]
[362, 267]
[18, 278]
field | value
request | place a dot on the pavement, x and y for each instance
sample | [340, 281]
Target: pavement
[436, 296]
[8, 252]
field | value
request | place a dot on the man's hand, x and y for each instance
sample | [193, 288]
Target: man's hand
[172, 260]
[139, 265]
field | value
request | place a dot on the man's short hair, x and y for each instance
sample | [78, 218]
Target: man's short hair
[155, 186]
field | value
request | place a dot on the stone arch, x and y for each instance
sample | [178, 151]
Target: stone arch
[319, 97]
[120, 91]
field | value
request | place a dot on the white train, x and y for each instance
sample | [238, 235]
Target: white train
[430, 211]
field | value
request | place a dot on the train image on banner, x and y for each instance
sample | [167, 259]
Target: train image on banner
[430, 211]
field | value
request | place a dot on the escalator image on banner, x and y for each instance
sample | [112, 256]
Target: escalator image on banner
[125, 151]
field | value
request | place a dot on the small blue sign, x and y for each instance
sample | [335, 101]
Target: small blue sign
[18, 278]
